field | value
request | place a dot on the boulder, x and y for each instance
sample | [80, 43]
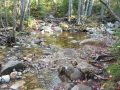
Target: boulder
[84, 66]
[11, 65]
[58, 29]
[93, 41]
[47, 29]
[69, 73]
[81, 87]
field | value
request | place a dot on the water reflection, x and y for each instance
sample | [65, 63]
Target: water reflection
[66, 39]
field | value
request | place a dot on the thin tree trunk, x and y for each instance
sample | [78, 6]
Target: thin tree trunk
[82, 7]
[14, 20]
[86, 8]
[69, 10]
[23, 2]
[102, 12]
[110, 10]
[29, 3]
[6, 16]
[79, 12]
[90, 7]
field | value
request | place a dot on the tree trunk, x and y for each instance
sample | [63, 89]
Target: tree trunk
[90, 7]
[79, 12]
[14, 21]
[23, 2]
[102, 12]
[110, 10]
[6, 16]
[82, 7]
[29, 3]
[69, 10]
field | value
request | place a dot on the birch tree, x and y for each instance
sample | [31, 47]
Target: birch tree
[79, 12]
[23, 2]
[82, 7]
[102, 11]
[70, 10]
[90, 7]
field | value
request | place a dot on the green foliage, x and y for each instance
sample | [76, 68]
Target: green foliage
[38, 13]
[29, 21]
[114, 70]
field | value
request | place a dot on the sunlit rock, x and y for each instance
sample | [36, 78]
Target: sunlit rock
[64, 26]
[81, 87]
[18, 84]
[4, 78]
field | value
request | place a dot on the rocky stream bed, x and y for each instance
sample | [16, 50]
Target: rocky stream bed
[57, 60]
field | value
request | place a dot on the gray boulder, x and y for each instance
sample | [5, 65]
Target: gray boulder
[11, 65]
[93, 41]
[81, 87]
[57, 29]
[84, 66]
[70, 73]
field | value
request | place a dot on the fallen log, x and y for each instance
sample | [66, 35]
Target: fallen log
[7, 28]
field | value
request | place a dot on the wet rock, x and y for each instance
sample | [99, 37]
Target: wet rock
[93, 41]
[4, 78]
[18, 84]
[74, 41]
[81, 87]
[8, 68]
